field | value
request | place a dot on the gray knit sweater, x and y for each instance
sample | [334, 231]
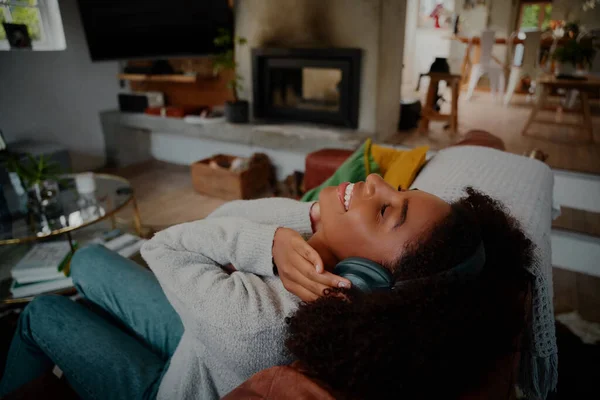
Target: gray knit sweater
[234, 324]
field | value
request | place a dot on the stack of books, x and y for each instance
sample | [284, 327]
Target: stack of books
[45, 266]
[41, 270]
[126, 244]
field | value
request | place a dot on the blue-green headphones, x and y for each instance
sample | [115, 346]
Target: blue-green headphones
[369, 276]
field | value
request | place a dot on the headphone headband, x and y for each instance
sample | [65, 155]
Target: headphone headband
[368, 276]
[473, 265]
[467, 269]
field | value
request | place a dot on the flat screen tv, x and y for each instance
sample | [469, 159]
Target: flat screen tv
[127, 29]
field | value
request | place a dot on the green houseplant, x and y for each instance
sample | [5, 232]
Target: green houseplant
[237, 110]
[39, 177]
[574, 54]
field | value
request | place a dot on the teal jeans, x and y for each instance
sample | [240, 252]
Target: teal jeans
[119, 348]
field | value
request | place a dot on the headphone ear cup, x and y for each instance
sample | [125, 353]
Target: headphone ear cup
[367, 276]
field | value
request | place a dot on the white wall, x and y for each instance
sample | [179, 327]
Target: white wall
[571, 10]
[57, 95]
[314, 23]
[575, 252]
[423, 44]
[502, 19]
[185, 150]
[409, 72]
[577, 190]
[431, 43]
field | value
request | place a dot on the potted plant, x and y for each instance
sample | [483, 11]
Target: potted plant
[237, 110]
[39, 176]
[572, 55]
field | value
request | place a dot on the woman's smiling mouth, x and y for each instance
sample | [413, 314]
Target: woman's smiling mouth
[345, 194]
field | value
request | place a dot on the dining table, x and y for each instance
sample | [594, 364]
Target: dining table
[584, 86]
[473, 50]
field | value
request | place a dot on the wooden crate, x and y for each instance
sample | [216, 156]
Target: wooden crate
[256, 180]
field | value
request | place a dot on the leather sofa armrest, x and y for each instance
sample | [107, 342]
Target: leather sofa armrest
[321, 164]
[481, 138]
[501, 381]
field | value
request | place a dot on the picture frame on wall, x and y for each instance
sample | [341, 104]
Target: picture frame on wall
[17, 36]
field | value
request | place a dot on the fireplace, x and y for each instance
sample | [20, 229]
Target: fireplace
[310, 85]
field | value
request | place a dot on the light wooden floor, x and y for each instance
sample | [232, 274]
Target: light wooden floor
[165, 194]
[507, 123]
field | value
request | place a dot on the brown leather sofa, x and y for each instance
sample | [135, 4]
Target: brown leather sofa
[288, 382]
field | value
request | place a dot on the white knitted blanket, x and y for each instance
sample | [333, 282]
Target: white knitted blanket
[525, 187]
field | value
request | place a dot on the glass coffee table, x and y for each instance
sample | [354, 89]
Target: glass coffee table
[112, 194]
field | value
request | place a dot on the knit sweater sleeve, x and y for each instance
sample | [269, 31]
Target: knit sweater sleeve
[187, 261]
[280, 211]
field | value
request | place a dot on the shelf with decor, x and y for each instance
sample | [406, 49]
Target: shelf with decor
[176, 78]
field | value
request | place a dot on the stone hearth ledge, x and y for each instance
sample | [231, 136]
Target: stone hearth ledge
[289, 137]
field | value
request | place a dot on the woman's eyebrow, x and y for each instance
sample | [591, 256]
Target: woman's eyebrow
[402, 214]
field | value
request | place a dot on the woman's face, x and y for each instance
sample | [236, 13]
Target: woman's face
[374, 220]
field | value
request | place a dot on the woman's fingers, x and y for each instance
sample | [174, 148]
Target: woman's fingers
[332, 280]
[325, 278]
[302, 272]
[311, 255]
[302, 293]
[297, 277]
[305, 275]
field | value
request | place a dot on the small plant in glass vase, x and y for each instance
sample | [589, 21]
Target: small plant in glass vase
[39, 177]
[236, 111]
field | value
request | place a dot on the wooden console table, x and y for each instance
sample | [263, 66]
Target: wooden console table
[548, 83]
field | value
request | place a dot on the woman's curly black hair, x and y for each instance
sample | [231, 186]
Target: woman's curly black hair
[432, 337]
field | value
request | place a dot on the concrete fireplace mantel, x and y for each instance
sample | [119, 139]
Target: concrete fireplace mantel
[374, 26]
[129, 139]
[292, 137]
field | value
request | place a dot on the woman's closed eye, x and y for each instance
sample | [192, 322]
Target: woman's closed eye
[383, 208]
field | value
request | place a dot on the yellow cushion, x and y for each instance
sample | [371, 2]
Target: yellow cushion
[384, 156]
[399, 167]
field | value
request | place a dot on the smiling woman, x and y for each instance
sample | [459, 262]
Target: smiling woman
[232, 292]
[438, 323]
[373, 220]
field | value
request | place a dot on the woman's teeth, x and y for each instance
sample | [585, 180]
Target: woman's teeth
[348, 195]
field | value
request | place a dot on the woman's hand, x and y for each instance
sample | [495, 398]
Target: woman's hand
[300, 267]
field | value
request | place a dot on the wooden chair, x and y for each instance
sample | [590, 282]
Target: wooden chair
[430, 113]
[487, 66]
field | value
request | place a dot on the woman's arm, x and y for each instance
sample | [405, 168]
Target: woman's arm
[239, 318]
[187, 261]
[283, 212]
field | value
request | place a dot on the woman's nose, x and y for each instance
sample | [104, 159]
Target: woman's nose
[371, 184]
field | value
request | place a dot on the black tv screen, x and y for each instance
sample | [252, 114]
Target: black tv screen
[125, 29]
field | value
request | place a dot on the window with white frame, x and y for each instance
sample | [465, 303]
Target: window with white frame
[43, 21]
